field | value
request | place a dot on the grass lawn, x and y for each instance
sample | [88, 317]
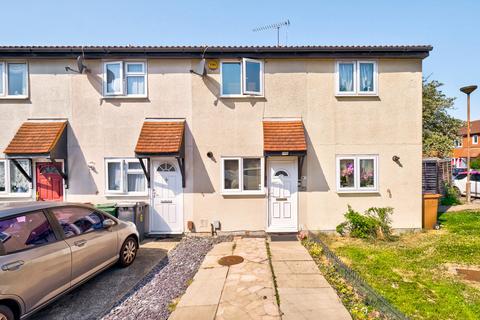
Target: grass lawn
[416, 273]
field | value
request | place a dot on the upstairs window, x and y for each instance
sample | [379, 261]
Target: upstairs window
[458, 143]
[475, 139]
[240, 78]
[13, 79]
[125, 79]
[356, 78]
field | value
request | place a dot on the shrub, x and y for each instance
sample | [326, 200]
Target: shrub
[375, 223]
[475, 164]
[450, 197]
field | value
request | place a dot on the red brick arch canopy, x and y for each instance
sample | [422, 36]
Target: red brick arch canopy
[161, 138]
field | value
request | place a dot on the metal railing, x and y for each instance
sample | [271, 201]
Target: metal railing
[369, 295]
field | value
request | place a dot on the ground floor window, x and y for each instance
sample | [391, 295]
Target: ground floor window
[357, 173]
[12, 181]
[242, 175]
[125, 176]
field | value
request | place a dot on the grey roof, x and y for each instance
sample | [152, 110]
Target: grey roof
[313, 51]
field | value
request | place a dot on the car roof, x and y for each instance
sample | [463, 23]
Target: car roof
[13, 208]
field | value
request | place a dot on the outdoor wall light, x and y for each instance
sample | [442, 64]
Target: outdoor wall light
[210, 154]
[91, 166]
[396, 158]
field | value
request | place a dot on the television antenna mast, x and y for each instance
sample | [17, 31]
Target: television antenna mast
[277, 26]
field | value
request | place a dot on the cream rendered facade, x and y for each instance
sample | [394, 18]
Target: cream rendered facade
[388, 124]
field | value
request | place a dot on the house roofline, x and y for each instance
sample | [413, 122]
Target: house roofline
[213, 52]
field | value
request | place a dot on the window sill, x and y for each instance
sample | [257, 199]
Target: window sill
[357, 191]
[124, 97]
[242, 96]
[243, 193]
[125, 195]
[356, 95]
[15, 196]
[14, 97]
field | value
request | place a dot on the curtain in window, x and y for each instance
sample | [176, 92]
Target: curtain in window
[114, 82]
[17, 79]
[135, 182]
[2, 177]
[18, 182]
[345, 74]
[367, 173]
[366, 77]
[135, 85]
[347, 173]
[1, 78]
[114, 175]
[251, 174]
[231, 180]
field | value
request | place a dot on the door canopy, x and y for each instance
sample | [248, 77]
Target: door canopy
[284, 137]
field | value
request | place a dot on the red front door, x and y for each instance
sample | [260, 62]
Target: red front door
[49, 181]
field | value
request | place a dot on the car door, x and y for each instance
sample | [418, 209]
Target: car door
[35, 263]
[474, 184]
[93, 247]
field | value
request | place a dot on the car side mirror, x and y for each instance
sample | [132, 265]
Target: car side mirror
[108, 223]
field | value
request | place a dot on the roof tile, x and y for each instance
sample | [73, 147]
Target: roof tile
[284, 136]
[36, 137]
[160, 137]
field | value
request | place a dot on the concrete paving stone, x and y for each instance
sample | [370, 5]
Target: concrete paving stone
[295, 267]
[197, 313]
[287, 250]
[289, 280]
[308, 297]
[203, 291]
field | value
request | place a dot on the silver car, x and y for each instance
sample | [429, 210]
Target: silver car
[47, 249]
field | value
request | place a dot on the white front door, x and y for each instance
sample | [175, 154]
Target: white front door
[282, 195]
[167, 198]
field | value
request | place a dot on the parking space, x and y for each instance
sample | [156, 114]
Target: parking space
[97, 296]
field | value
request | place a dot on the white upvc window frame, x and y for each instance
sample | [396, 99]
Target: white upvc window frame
[136, 74]
[124, 171]
[123, 93]
[458, 143]
[240, 190]
[475, 139]
[356, 78]
[243, 92]
[7, 193]
[356, 173]
[134, 171]
[121, 189]
[375, 78]
[244, 77]
[4, 75]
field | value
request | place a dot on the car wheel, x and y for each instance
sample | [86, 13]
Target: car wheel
[6, 313]
[128, 252]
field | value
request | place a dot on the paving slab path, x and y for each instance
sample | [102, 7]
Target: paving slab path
[304, 292]
[241, 291]
[246, 290]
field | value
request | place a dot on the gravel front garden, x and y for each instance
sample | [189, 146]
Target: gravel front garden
[151, 298]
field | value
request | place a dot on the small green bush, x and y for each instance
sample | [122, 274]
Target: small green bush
[475, 164]
[375, 223]
[451, 197]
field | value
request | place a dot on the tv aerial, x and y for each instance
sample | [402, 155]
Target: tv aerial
[273, 26]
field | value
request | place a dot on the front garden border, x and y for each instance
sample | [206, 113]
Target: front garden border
[369, 294]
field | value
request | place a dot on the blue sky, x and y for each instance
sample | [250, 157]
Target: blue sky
[452, 27]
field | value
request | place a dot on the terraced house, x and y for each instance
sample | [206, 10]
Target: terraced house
[277, 139]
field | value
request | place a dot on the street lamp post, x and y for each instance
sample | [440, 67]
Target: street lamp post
[467, 90]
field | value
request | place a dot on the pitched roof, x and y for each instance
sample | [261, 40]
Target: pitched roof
[160, 137]
[462, 152]
[216, 51]
[284, 136]
[36, 138]
[474, 128]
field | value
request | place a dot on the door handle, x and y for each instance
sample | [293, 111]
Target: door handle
[12, 266]
[281, 199]
[80, 243]
[166, 201]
